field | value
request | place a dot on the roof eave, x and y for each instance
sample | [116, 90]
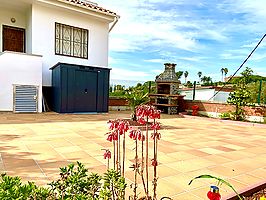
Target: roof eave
[81, 9]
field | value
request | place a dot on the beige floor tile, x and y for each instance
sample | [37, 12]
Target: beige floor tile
[67, 149]
[217, 159]
[187, 196]
[260, 173]
[188, 148]
[248, 179]
[211, 151]
[225, 172]
[182, 181]
[165, 188]
[181, 155]
[201, 193]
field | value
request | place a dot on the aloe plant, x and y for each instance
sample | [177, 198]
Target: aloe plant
[136, 97]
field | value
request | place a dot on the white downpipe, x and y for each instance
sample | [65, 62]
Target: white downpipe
[116, 20]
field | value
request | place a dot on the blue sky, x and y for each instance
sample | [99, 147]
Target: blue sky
[197, 35]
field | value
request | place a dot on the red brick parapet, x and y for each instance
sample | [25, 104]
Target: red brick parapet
[223, 107]
[117, 101]
[203, 106]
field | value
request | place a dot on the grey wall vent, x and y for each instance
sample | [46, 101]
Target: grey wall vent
[25, 98]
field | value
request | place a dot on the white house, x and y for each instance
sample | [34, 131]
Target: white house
[35, 35]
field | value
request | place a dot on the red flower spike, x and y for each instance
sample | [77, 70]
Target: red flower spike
[141, 121]
[154, 162]
[156, 135]
[110, 138]
[141, 137]
[133, 134]
[147, 111]
[115, 136]
[107, 154]
[110, 125]
[156, 126]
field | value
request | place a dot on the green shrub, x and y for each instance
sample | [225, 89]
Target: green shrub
[13, 188]
[226, 115]
[74, 183]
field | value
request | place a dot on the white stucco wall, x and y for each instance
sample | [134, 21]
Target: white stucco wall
[21, 69]
[206, 94]
[221, 97]
[200, 94]
[29, 31]
[43, 37]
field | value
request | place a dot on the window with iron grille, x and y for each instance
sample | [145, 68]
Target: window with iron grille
[71, 41]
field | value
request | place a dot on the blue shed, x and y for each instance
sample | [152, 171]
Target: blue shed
[79, 88]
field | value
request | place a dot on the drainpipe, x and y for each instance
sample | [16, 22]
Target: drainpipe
[117, 17]
[194, 90]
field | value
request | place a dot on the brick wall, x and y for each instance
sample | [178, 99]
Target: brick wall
[117, 101]
[223, 107]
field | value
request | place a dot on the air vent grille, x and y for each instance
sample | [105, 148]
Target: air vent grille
[25, 98]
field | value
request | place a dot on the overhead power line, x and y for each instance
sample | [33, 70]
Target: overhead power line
[240, 66]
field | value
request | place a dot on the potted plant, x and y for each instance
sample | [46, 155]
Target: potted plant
[136, 97]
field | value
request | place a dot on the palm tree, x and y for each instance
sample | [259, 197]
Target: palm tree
[179, 74]
[222, 70]
[186, 75]
[206, 80]
[136, 97]
[225, 72]
[199, 74]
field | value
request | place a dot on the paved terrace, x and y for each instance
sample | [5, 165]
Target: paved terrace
[34, 146]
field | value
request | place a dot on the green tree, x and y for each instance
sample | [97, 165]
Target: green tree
[225, 72]
[179, 74]
[120, 87]
[199, 75]
[222, 71]
[206, 81]
[149, 86]
[254, 92]
[138, 85]
[186, 75]
[252, 78]
[240, 97]
[189, 84]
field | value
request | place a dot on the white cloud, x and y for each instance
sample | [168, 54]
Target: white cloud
[157, 71]
[155, 61]
[142, 24]
[124, 74]
[252, 14]
[111, 60]
[258, 57]
[194, 59]
[195, 34]
[252, 44]
[119, 44]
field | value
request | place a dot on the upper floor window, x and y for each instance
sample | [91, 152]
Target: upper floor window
[71, 41]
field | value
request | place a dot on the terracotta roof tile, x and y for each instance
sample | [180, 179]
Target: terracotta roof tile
[88, 5]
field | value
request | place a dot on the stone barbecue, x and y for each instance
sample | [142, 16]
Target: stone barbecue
[166, 97]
